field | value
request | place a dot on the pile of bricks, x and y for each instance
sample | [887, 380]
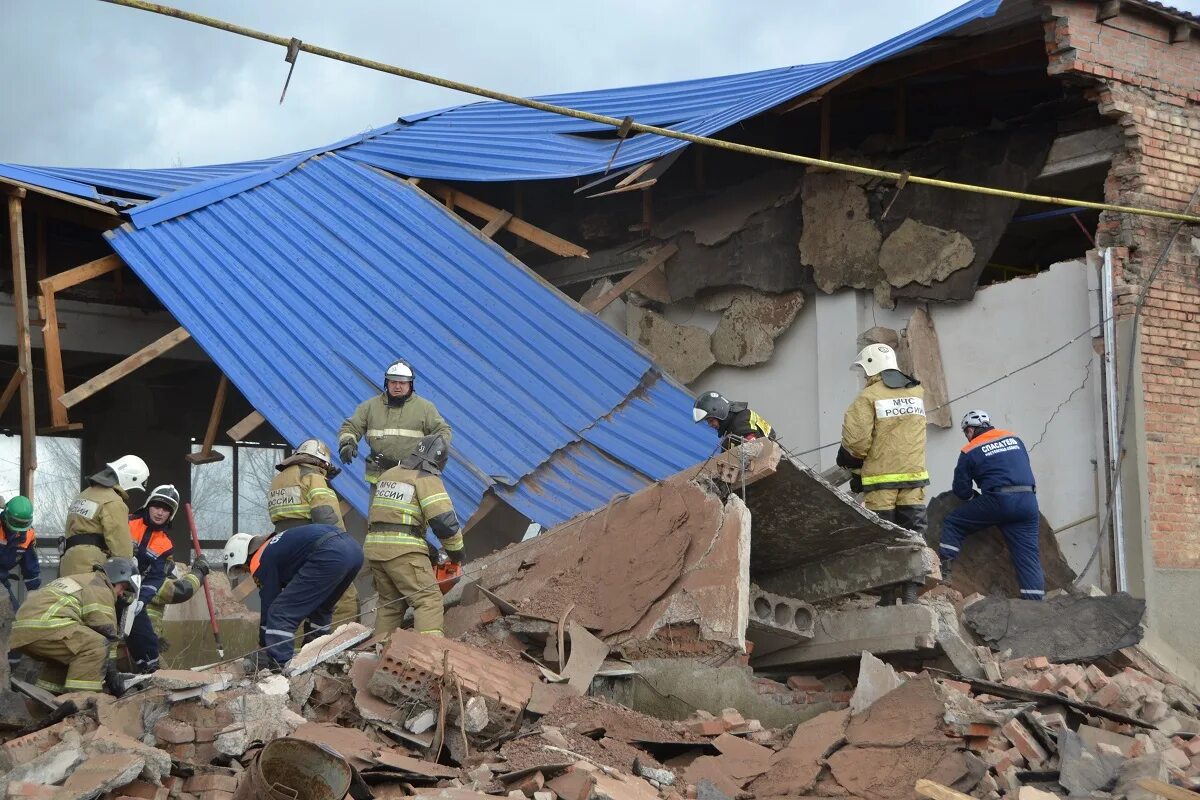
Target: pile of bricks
[830, 692]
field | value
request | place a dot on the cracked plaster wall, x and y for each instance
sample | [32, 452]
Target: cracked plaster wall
[805, 387]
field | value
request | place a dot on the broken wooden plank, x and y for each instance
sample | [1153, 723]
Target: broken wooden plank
[206, 454]
[128, 365]
[245, 426]
[1167, 790]
[16, 239]
[936, 791]
[66, 198]
[52, 350]
[36, 692]
[646, 184]
[528, 231]
[84, 272]
[497, 222]
[656, 259]
[14, 383]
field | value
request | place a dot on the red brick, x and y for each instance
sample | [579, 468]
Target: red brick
[210, 781]
[1045, 682]
[207, 734]
[145, 791]
[805, 683]
[172, 731]
[32, 791]
[183, 752]
[958, 686]
[1038, 662]
[1192, 748]
[1023, 740]
[1106, 696]
[706, 727]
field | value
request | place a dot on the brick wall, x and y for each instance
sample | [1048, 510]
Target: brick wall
[1151, 87]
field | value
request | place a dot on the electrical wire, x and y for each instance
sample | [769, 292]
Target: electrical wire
[628, 124]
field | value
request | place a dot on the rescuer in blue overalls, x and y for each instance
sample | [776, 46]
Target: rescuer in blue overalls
[301, 573]
[998, 463]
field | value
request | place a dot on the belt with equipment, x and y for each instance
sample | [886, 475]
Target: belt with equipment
[94, 539]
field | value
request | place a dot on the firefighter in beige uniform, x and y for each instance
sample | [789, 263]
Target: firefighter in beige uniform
[300, 495]
[98, 518]
[69, 623]
[408, 498]
[393, 422]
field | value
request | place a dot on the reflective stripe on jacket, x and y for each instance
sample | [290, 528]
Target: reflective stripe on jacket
[405, 498]
[392, 431]
[51, 611]
[298, 489]
[17, 550]
[886, 429]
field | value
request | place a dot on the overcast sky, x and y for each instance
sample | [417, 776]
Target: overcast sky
[86, 83]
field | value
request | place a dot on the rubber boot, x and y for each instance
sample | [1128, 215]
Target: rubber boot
[947, 566]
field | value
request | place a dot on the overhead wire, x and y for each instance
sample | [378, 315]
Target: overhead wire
[628, 124]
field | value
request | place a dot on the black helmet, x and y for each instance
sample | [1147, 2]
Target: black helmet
[167, 496]
[710, 404]
[431, 454]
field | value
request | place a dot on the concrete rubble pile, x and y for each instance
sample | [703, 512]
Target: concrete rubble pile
[618, 657]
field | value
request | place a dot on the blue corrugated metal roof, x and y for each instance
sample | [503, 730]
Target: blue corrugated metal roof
[528, 380]
[493, 141]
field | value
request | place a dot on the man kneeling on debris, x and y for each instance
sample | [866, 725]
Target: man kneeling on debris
[997, 462]
[883, 440]
[300, 573]
[408, 498]
[69, 624]
[734, 422]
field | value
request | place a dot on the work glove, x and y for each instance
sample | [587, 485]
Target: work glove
[856, 485]
[261, 660]
[847, 459]
[348, 452]
[456, 556]
[109, 632]
[114, 684]
[434, 554]
[200, 566]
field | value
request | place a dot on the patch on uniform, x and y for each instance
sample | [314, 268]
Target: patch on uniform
[82, 507]
[899, 407]
[283, 497]
[65, 585]
[1001, 446]
[397, 491]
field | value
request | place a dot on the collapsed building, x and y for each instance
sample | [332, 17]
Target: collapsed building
[681, 268]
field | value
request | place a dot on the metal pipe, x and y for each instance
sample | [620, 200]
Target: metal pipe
[1108, 314]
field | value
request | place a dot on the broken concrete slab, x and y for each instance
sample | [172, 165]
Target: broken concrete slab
[916, 252]
[587, 656]
[1064, 628]
[1084, 770]
[752, 322]
[596, 566]
[714, 221]
[845, 634]
[861, 569]
[954, 640]
[50, 766]
[157, 763]
[840, 240]
[103, 773]
[682, 351]
[777, 621]
[889, 773]
[795, 768]
[925, 360]
[875, 679]
[984, 566]
[323, 648]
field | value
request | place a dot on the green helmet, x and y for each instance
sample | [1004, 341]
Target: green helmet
[18, 514]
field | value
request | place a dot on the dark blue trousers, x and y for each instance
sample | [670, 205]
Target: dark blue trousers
[311, 594]
[1016, 515]
[143, 644]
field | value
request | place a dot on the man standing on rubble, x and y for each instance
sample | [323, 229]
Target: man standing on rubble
[300, 495]
[154, 552]
[393, 422]
[98, 518]
[997, 462]
[69, 624]
[17, 549]
[734, 422]
[883, 440]
[408, 498]
[301, 573]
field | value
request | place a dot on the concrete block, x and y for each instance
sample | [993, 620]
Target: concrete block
[861, 569]
[839, 241]
[102, 773]
[920, 253]
[875, 679]
[846, 634]
[776, 621]
[51, 765]
[1148, 766]
[683, 351]
[746, 334]
[172, 731]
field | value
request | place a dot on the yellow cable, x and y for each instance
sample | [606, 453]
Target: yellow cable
[639, 127]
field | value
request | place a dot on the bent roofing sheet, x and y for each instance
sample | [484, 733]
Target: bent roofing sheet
[493, 141]
[299, 285]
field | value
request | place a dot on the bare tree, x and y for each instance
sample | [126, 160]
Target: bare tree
[212, 495]
[256, 468]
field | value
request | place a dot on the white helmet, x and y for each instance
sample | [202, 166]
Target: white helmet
[131, 472]
[316, 449]
[975, 419]
[399, 371]
[875, 358]
[237, 550]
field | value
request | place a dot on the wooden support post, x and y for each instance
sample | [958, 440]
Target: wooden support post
[826, 125]
[128, 365]
[455, 199]
[1167, 790]
[243, 428]
[656, 259]
[84, 272]
[497, 222]
[206, 454]
[14, 383]
[936, 791]
[16, 237]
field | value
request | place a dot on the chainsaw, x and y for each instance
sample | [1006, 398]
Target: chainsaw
[446, 573]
